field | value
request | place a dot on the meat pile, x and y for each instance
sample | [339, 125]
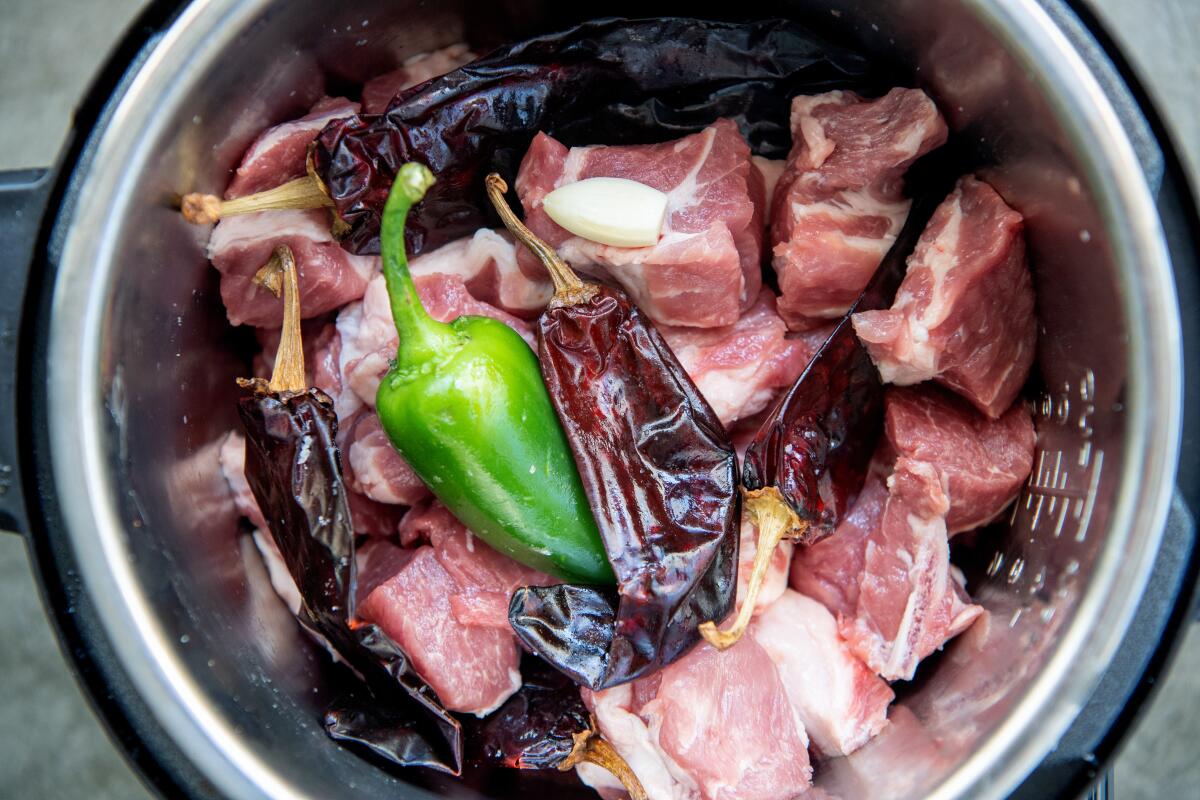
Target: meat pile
[836, 621]
[705, 270]
[838, 205]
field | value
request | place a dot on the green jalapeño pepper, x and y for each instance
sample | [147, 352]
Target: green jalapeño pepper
[465, 405]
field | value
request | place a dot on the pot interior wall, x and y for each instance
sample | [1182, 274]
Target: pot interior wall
[170, 363]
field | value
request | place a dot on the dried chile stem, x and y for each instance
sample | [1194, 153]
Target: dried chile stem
[276, 276]
[595, 749]
[301, 193]
[569, 290]
[775, 521]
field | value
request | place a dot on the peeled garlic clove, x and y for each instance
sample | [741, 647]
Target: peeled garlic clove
[613, 211]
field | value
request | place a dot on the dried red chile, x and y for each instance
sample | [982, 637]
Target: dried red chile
[537, 727]
[611, 81]
[293, 468]
[660, 474]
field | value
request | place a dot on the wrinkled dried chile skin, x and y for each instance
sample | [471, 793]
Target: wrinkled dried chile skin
[661, 475]
[293, 468]
[536, 727]
[607, 81]
[816, 444]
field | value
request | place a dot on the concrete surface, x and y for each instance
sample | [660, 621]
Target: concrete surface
[51, 746]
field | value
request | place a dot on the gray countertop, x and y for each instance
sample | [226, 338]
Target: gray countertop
[50, 744]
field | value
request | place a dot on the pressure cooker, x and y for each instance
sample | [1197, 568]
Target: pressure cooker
[118, 372]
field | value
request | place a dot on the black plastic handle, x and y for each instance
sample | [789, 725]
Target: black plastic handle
[23, 198]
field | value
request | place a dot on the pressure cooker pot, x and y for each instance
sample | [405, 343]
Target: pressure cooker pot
[120, 367]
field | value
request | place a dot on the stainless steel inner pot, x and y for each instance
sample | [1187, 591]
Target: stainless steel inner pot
[141, 367]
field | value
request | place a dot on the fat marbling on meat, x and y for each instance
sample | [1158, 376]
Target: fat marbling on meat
[964, 315]
[713, 725]
[705, 269]
[839, 206]
[841, 702]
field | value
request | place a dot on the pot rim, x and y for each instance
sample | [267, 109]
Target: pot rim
[122, 147]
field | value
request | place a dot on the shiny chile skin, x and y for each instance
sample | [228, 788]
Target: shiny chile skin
[294, 471]
[661, 475]
[536, 727]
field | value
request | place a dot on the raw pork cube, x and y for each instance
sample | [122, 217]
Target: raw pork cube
[472, 670]
[741, 368]
[984, 460]
[909, 601]
[280, 153]
[472, 664]
[372, 466]
[838, 206]
[964, 315]
[378, 92]
[329, 276]
[712, 725]
[705, 269]
[377, 561]
[486, 579]
[841, 703]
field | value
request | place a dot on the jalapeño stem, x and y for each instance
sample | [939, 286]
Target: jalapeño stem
[421, 336]
[775, 521]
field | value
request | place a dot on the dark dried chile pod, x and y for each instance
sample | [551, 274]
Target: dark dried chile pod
[294, 470]
[545, 725]
[660, 473]
[617, 81]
